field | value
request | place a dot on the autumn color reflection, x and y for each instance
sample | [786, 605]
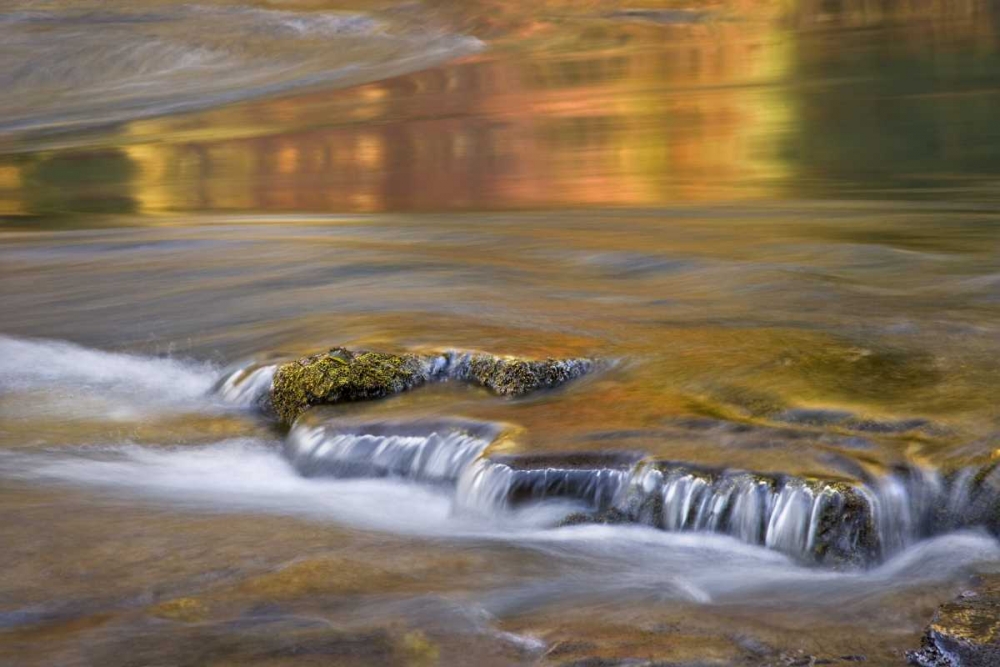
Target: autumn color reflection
[612, 128]
[696, 112]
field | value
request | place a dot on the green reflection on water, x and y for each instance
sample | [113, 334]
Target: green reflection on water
[97, 182]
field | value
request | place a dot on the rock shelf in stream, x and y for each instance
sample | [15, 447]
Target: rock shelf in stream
[430, 451]
[835, 522]
[497, 483]
[862, 517]
[341, 375]
[964, 632]
[825, 521]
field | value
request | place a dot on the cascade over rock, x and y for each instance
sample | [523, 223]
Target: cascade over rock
[832, 521]
[856, 520]
[425, 450]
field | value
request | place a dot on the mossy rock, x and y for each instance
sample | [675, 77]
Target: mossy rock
[964, 632]
[510, 376]
[340, 376]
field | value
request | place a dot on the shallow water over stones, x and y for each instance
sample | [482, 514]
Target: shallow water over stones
[772, 245]
[712, 435]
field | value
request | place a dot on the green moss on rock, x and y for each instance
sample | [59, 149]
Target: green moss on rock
[508, 376]
[340, 376]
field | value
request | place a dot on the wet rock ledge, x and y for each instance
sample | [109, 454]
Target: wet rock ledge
[341, 375]
[964, 632]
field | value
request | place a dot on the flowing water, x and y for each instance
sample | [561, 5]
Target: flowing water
[774, 226]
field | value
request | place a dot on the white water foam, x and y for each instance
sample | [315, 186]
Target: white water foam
[245, 474]
[30, 364]
[248, 475]
[68, 380]
[62, 380]
[247, 386]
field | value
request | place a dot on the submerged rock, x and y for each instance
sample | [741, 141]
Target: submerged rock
[964, 632]
[341, 375]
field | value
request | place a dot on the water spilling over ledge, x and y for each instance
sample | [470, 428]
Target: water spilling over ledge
[503, 482]
[433, 451]
[248, 386]
[862, 517]
[821, 520]
[830, 521]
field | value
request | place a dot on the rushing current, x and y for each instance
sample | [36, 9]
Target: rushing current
[81, 64]
[764, 237]
[861, 522]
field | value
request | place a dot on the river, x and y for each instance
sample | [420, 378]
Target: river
[775, 225]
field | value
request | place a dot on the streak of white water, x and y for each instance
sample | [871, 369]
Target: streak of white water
[488, 486]
[247, 386]
[440, 454]
[244, 475]
[66, 380]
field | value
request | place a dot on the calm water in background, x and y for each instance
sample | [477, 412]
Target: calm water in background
[742, 206]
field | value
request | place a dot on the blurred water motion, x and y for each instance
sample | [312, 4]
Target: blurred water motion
[775, 221]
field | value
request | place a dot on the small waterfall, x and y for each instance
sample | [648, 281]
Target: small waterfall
[972, 498]
[431, 452]
[809, 518]
[861, 519]
[906, 505]
[499, 483]
[248, 386]
[832, 522]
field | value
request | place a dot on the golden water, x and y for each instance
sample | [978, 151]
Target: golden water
[751, 208]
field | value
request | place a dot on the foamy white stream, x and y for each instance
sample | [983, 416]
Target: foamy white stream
[253, 476]
[64, 380]
[437, 478]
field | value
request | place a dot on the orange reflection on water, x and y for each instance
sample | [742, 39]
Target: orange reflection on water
[719, 111]
[616, 128]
